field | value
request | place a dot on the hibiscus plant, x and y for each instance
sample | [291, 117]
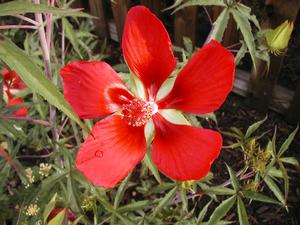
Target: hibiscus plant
[83, 143]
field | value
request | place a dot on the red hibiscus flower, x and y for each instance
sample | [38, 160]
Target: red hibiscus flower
[69, 214]
[117, 143]
[13, 83]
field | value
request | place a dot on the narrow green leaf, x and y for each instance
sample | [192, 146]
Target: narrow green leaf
[245, 10]
[241, 53]
[233, 179]
[285, 179]
[58, 219]
[290, 160]
[245, 28]
[184, 199]
[121, 190]
[70, 34]
[221, 210]
[219, 26]
[200, 3]
[254, 127]
[259, 197]
[165, 200]
[202, 213]
[285, 146]
[134, 206]
[26, 6]
[274, 188]
[49, 207]
[243, 217]
[219, 190]
[34, 78]
[149, 163]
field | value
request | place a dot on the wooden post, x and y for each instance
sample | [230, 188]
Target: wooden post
[262, 80]
[293, 113]
[119, 8]
[185, 25]
[96, 8]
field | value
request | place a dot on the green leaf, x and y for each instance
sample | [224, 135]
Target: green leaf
[199, 3]
[34, 78]
[285, 146]
[219, 190]
[246, 11]
[274, 188]
[49, 207]
[254, 127]
[245, 28]
[121, 190]
[25, 6]
[290, 160]
[259, 197]
[233, 179]
[165, 200]
[134, 206]
[221, 210]
[219, 26]
[202, 213]
[286, 180]
[243, 217]
[58, 219]
[241, 53]
[70, 34]
[149, 163]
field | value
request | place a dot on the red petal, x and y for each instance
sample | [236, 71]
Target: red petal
[147, 48]
[184, 152]
[204, 83]
[111, 151]
[12, 80]
[13, 101]
[93, 88]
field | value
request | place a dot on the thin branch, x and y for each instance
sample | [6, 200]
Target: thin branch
[4, 27]
[208, 16]
[46, 57]
[38, 122]
[27, 19]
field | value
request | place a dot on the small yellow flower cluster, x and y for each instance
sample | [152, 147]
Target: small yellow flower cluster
[30, 177]
[257, 157]
[31, 210]
[251, 185]
[44, 169]
[88, 204]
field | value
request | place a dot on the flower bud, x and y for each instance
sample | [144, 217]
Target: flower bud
[277, 39]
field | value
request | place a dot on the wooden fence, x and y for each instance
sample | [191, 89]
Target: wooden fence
[260, 85]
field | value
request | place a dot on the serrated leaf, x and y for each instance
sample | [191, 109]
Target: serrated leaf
[254, 127]
[200, 3]
[164, 201]
[49, 207]
[285, 146]
[71, 36]
[243, 217]
[221, 210]
[219, 26]
[245, 10]
[259, 197]
[34, 78]
[245, 28]
[274, 188]
[26, 6]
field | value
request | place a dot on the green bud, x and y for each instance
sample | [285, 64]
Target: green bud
[277, 39]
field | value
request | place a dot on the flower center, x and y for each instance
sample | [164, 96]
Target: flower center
[138, 112]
